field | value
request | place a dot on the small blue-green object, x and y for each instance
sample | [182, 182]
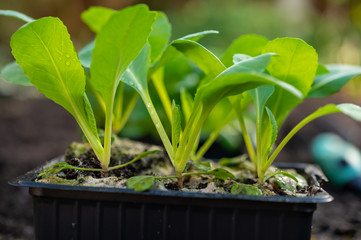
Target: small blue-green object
[339, 160]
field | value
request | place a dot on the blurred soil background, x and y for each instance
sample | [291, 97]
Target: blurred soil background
[34, 129]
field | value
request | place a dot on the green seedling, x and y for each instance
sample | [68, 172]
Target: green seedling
[44, 51]
[295, 63]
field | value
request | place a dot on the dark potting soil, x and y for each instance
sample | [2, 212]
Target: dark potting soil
[36, 130]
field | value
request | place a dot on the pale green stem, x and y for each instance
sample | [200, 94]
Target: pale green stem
[107, 137]
[158, 125]
[193, 137]
[157, 78]
[259, 149]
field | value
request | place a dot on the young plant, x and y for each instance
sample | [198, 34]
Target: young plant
[44, 51]
[295, 63]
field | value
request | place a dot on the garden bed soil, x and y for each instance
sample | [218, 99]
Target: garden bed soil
[32, 131]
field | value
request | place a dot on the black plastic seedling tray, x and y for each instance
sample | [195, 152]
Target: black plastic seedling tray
[78, 212]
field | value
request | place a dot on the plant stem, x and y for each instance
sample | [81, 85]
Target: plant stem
[158, 125]
[158, 81]
[184, 157]
[107, 137]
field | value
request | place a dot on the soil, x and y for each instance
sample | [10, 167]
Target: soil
[33, 131]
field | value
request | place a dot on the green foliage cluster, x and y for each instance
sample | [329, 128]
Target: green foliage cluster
[132, 49]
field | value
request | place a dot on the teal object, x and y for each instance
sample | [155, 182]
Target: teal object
[339, 160]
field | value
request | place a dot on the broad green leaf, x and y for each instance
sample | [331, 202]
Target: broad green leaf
[331, 82]
[52, 65]
[18, 15]
[251, 45]
[13, 73]
[295, 65]
[201, 56]
[221, 173]
[159, 36]
[176, 125]
[236, 83]
[118, 43]
[246, 189]
[136, 74]
[95, 17]
[140, 183]
[85, 54]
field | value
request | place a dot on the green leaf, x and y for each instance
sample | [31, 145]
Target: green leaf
[203, 166]
[140, 183]
[176, 125]
[286, 174]
[321, 69]
[171, 53]
[260, 96]
[329, 83]
[221, 173]
[201, 56]
[52, 65]
[54, 169]
[85, 54]
[136, 74]
[285, 182]
[95, 17]
[295, 65]
[118, 43]
[251, 45]
[258, 64]
[246, 189]
[235, 83]
[237, 58]
[196, 36]
[274, 130]
[159, 36]
[13, 73]
[18, 15]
